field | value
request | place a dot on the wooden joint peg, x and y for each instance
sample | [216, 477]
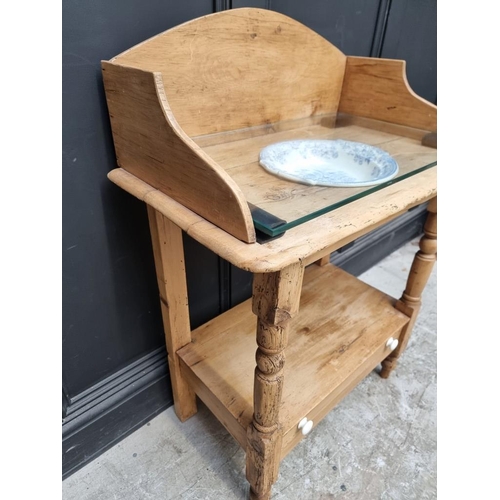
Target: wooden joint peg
[276, 299]
[419, 275]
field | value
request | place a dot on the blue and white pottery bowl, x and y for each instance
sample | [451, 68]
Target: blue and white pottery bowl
[335, 163]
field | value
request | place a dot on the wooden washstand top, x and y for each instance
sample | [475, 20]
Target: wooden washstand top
[192, 107]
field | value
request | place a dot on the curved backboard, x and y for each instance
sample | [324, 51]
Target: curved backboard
[242, 68]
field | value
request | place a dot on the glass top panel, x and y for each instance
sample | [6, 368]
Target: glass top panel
[278, 204]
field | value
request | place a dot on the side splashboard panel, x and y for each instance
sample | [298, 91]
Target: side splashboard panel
[379, 89]
[150, 145]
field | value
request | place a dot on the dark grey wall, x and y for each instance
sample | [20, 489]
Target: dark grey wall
[108, 271]
[411, 35]
[114, 368]
[111, 318]
[348, 24]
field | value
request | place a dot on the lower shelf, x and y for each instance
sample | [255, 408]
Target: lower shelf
[336, 339]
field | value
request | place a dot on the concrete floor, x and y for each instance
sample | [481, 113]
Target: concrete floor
[378, 443]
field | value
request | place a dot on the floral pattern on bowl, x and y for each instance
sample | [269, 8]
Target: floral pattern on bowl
[335, 163]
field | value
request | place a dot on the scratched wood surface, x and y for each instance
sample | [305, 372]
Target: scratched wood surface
[250, 70]
[290, 200]
[275, 301]
[150, 144]
[168, 251]
[378, 88]
[308, 242]
[191, 110]
[337, 337]
[241, 68]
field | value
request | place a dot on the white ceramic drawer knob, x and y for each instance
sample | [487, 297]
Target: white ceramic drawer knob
[394, 344]
[305, 426]
[389, 342]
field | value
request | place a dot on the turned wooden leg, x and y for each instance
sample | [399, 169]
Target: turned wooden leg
[171, 274]
[419, 274]
[276, 299]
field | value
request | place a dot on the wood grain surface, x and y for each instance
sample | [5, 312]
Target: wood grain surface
[378, 88]
[290, 200]
[308, 242]
[241, 68]
[168, 251]
[418, 276]
[275, 302]
[150, 144]
[337, 337]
